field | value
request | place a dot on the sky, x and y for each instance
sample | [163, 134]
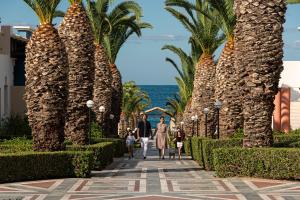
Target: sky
[141, 59]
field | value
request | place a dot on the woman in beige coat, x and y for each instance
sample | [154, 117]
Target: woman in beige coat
[161, 137]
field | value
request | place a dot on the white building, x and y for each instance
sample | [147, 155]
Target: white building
[12, 73]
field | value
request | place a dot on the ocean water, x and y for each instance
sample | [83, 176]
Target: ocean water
[158, 95]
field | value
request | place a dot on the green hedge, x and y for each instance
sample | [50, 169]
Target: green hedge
[208, 145]
[33, 166]
[10, 148]
[197, 150]
[285, 140]
[103, 153]
[187, 147]
[119, 145]
[275, 163]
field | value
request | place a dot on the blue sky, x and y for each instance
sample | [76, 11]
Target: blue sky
[141, 59]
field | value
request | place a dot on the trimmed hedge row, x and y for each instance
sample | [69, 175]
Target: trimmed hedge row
[274, 163]
[33, 165]
[285, 140]
[10, 148]
[209, 145]
[119, 145]
[103, 153]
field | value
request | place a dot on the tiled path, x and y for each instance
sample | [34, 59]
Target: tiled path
[152, 179]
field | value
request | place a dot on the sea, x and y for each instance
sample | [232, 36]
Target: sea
[158, 95]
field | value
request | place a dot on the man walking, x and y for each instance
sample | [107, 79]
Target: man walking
[144, 132]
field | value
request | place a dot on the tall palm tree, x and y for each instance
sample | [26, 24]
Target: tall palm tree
[226, 90]
[258, 57]
[46, 80]
[113, 43]
[97, 12]
[205, 33]
[185, 79]
[76, 33]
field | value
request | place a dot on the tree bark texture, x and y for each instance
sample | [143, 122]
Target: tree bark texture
[102, 85]
[258, 59]
[117, 96]
[226, 90]
[76, 33]
[46, 88]
[203, 96]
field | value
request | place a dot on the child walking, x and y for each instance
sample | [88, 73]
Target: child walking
[179, 138]
[130, 143]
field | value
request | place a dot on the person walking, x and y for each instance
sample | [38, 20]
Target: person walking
[161, 137]
[130, 139]
[179, 138]
[143, 133]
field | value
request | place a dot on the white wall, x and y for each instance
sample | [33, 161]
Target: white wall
[6, 72]
[290, 77]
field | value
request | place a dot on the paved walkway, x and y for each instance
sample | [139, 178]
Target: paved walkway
[152, 179]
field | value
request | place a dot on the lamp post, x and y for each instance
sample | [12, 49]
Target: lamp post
[102, 110]
[89, 104]
[181, 125]
[218, 105]
[111, 117]
[193, 129]
[205, 110]
[196, 120]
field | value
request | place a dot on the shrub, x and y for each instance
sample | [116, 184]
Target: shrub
[15, 126]
[102, 153]
[208, 145]
[96, 130]
[197, 150]
[275, 163]
[33, 165]
[295, 144]
[187, 146]
[10, 148]
[119, 145]
[285, 140]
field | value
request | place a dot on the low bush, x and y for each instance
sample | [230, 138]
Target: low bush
[274, 163]
[197, 150]
[103, 153]
[285, 140]
[187, 147]
[14, 126]
[119, 145]
[33, 165]
[208, 145]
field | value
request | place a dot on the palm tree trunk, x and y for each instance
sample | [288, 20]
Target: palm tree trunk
[203, 95]
[46, 88]
[102, 85]
[117, 89]
[258, 54]
[231, 116]
[76, 33]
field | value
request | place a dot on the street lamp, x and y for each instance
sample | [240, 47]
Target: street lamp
[205, 110]
[102, 110]
[193, 122]
[111, 117]
[89, 104]
[196, 120]
[218, 105]
[181, 125]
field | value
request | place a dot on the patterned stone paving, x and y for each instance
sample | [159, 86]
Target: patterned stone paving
[152, 179]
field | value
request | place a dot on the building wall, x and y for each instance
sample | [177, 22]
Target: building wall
[6, 83]
[18, 105]
[287, 102]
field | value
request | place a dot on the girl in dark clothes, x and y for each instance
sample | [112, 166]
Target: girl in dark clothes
[179, 138]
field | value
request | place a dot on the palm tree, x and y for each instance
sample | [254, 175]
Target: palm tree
[293, 1]
[113, 43]
[102, 85]
[76, 33]
[133, 102]
[226, 89]
[46, 80]
[186, 77]
[205, 33]
[258, 56]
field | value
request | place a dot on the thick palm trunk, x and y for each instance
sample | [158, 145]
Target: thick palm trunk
[102, 85]
[116, 97]
[226, 90]
[77, 36]
[258, 54]
[46, 88]
[203, 96]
